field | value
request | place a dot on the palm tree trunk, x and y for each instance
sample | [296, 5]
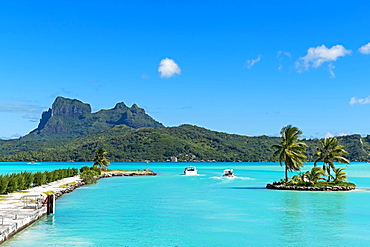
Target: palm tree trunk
[286, 173]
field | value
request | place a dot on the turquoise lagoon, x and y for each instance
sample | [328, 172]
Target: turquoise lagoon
[207, 210]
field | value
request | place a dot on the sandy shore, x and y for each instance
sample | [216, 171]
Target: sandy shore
[16, 215]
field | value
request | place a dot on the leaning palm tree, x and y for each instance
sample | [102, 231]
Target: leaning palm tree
[329, 151]
[100, 159]
[340, 175]
[290, 151]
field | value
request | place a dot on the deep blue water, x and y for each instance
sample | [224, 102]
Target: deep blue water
[174, 210]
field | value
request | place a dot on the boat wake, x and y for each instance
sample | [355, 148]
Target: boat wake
[363, 189]
[192, 175]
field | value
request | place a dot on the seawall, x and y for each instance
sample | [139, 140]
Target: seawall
[309, 188]
[16, 214]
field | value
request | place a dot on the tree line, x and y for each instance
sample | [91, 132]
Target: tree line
[186, 142]
[24, 180]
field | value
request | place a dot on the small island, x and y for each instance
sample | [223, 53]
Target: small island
[291, 153]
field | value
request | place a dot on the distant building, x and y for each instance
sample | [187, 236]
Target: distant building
[173, 159]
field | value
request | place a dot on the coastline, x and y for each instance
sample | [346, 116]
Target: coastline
[16, 215]
[309, 188]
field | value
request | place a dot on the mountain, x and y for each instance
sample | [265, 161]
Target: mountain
[70, 118]
[70, 131]
[186, 142]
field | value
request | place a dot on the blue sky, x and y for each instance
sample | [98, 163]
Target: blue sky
[244, 67]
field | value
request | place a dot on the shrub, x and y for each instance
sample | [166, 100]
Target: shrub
[4, 180]
[24, 180]
[96, 169]
[84, 168]
[89, 176]
[12, 184]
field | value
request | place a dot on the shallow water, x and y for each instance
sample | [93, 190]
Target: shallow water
[206, 210]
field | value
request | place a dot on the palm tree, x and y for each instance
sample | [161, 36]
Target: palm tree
[315, 174]
[340, 175]
[100, 159]
[290, 151]
[329, 151]
[300, 177]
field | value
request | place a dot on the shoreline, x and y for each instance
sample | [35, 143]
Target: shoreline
[309, 188]
[16, 215]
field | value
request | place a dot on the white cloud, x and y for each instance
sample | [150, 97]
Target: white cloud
[20, 107]
[317, 56]
[168, 68]
[14, 136]
[252, 62]
[283, 53]
[365, 49]
[347, 133]
[329, 134]
[331, 72]
[355, 100]
[31, 117]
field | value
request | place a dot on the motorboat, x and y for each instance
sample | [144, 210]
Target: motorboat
[32, 163]
[229, 173]
[190, 170]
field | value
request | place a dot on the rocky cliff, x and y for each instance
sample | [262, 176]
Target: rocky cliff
[69, 118]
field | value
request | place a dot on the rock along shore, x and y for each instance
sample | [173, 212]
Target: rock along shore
[309, 188]
[16, 215]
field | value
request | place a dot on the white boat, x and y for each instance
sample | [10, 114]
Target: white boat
[190, 170]
[32, 163]
[228, 173]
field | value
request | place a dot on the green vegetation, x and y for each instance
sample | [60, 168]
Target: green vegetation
[186, 142]
[328, 151]
[290, 151]
[340, 175]
[89, 174]
[101, 159]
[315, 174]
[18, 182]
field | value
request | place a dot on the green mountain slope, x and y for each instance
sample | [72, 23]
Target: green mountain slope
[128, 144]
[186, 142]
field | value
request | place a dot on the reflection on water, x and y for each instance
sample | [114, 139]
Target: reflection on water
[292, 219]
[304, 212]
[50, 220]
